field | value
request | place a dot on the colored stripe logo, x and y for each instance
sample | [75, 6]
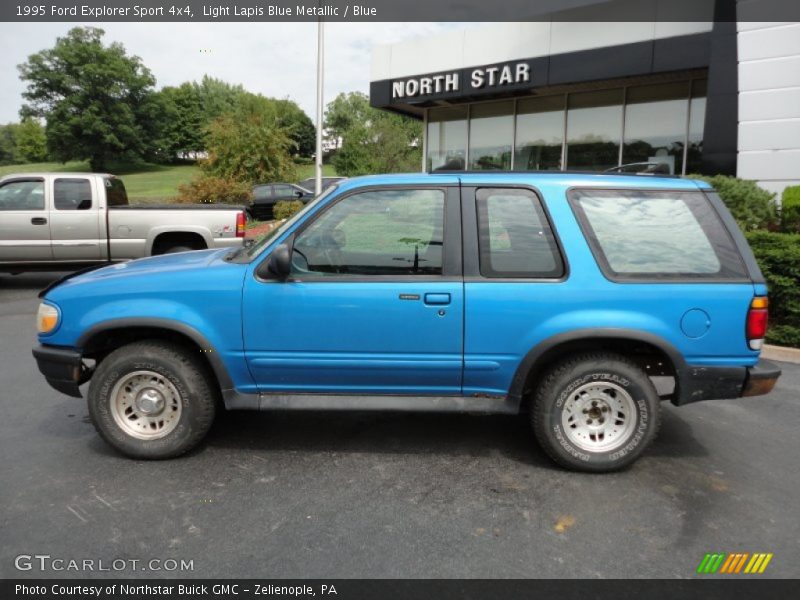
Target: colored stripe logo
[734, 563]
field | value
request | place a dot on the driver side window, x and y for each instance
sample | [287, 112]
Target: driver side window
[380, 232]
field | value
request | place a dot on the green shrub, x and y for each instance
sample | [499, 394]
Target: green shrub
[790, 209]
[208, 189]
[751, 206]
[778, 255]
[286, 209]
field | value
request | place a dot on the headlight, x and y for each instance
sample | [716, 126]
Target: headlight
[46, 318]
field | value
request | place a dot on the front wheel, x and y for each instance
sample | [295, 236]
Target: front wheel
[152, 399]
[595, 412]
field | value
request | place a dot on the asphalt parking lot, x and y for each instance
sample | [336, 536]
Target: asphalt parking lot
[381, 495]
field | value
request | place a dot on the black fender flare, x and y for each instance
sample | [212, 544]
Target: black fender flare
[534, 354]
[219, 368]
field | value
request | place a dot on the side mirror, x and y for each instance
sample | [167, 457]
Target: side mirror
[298, 194]
[279, 263]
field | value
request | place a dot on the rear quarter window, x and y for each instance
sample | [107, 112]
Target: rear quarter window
[115, 192]
[654, 235]
[514, 236]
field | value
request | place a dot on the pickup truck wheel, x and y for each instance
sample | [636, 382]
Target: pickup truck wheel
[174, 249]
[152, 399]
[595, 412]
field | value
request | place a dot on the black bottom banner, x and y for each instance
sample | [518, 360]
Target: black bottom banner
[390, 589]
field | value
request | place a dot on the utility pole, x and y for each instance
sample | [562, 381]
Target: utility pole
[320, 70]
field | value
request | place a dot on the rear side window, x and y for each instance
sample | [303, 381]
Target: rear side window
[638, 234]
[115, 192]
[514, 237]
[72, 194]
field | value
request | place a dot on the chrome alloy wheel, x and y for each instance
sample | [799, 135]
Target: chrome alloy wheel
[599, 417]
[146, 405]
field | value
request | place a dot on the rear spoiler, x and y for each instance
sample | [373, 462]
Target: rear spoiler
[61, 280]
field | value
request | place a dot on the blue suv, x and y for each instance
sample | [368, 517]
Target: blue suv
[581, 300]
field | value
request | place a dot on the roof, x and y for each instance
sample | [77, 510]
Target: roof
[564, 179]
[36, 174]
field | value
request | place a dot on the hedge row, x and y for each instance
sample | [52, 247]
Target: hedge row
[778, 255]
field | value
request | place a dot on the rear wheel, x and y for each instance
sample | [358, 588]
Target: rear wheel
[152, 399]
[174, 249]
[595, 412]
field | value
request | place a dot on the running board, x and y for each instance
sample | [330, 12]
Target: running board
[443, 404]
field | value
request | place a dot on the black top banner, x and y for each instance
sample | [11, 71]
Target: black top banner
[87, 11]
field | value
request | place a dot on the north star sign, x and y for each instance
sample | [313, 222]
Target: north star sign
[480, 78]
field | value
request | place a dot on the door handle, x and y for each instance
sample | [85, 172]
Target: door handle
[438, 299]
[38, 221]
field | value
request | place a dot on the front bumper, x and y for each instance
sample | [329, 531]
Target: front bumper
[63, 368]
[724, 383]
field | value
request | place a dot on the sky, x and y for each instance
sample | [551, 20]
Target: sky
[274, 59]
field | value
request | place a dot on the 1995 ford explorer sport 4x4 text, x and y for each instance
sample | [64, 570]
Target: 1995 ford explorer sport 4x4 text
[583, 299]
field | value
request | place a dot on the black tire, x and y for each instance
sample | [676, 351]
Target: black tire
[174, 249]
[179, 368]
[574, 383]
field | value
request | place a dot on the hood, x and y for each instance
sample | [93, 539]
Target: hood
[162, 264]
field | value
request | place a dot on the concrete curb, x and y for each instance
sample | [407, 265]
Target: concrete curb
[782, 353]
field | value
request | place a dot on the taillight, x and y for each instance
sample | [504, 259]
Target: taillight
[757, 318]
[240, 224]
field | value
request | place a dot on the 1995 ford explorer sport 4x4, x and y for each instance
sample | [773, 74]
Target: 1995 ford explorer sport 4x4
[581, 299]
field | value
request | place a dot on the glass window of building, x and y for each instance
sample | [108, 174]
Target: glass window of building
[697, 121]
[540, 133]
[491, 134]
[447, 138]
[594, 127]
[655, 124]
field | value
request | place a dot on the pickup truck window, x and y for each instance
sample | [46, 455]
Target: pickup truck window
[22, 195]
[644, 234]
[379, 232]
[514, 237]
[72, 194]
[116, 195]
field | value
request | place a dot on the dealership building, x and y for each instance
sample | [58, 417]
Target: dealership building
[715, 96]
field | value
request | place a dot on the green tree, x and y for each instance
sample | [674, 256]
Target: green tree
[185, 125]
[790, 209]
[300, 127]
[9, 153]
[343, 114]
[250, 144]
[192, 107]
[98, 101]
[372, 140]
[31, 141]
[217, 97]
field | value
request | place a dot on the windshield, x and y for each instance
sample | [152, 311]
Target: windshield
[256, 248]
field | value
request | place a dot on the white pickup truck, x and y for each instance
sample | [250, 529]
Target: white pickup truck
[55, 221]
